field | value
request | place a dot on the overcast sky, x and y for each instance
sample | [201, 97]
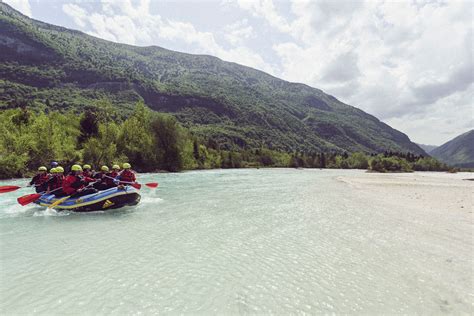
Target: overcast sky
[409, 63]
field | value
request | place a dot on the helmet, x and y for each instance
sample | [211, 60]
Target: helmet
[53, 170]
[59, 169]
[116, 167]
[104, 168]
[126, 166]
[86, 167]
[76, 168]
[54, 164]
[42, 168]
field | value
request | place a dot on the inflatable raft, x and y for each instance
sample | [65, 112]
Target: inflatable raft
[101, 201]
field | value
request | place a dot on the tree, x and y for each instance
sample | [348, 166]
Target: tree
[89, 126]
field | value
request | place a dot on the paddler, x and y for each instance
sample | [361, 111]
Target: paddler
[75, 184]
[40, 179]
[127, 176]
[115, 171]
[56, 180]
[105, 179]
[87, 171]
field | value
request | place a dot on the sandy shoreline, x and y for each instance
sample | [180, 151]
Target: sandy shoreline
[434, 212]
[420, 190]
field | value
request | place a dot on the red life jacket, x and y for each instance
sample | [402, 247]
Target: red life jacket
[56, 182]
[127, 176]
[87, 173]
[40, 179]
[73, 182]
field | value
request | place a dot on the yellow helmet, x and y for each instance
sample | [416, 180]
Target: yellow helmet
[104, 168]
[86, 167]
[59, 169]
[42, 168]
[76, 168]
[126, 166]
[53, 170]
[116, 167]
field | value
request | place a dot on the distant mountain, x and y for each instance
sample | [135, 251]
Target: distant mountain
[427, 148]
[56, 68]
[458, 152]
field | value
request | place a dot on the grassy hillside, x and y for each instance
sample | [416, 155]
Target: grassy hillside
[458, 152]
[54, 68]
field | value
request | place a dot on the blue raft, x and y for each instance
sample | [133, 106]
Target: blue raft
[101, 201]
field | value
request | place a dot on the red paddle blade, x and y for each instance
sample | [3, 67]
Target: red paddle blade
[8, 188]
[27, 199]
[137, 186]
[152, 185]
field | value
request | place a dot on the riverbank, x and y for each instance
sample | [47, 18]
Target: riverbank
[435, 191]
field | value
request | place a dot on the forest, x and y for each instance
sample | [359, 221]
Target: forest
[153, 141]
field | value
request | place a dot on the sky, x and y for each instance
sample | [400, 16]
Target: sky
[409, 63]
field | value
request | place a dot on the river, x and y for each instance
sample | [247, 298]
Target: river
[250, 241]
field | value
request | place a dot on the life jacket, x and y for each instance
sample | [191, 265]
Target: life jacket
[39, 179]
[88, 173]
[109, 179]
[127, 176]
[72, 183]
[55, 182]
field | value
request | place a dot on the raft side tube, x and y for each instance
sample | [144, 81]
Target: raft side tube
[112, 198]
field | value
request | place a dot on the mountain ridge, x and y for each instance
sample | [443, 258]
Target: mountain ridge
[58, 68]
[427, 148]
[457, 152]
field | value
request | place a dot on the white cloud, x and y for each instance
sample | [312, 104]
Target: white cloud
[238, 32]
[78, 14]
[133, 23]
[21, 5]
[267, 10]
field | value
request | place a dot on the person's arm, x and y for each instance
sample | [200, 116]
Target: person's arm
[34, 179]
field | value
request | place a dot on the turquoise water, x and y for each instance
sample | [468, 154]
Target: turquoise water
[228, 242]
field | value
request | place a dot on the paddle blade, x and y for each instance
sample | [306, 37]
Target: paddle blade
[137, 186]
[27, 199]
[152, 185]
[59, 202]
[8, 188]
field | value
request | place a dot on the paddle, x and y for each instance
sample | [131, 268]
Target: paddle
[152, 185]
[58, 201]
[135, 184]
[27, 199]
[11, 188]
[8, 188]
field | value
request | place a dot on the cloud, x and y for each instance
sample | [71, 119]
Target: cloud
[342, 68]
[267, 10]
[238, 32]
[21, 5]
[134, 23]
[459, 80]
[78, 14]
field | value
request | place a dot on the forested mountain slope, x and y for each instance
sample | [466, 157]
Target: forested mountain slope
[458, 152]
[57, 68]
